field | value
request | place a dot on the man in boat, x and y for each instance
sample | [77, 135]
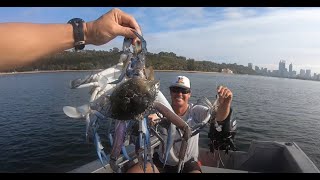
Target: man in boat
[180, 91]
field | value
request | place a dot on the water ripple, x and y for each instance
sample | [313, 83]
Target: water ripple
[36, 136]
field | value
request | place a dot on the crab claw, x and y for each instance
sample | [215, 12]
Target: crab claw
[77, 82]
[126, 45]
[143, 42]
[99, 148]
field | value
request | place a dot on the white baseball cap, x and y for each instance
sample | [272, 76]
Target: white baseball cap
[181, 81]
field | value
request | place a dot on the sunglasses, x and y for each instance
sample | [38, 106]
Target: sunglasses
[178, 90]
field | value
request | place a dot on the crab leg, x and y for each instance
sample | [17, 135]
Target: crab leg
[123, 148]
[176, 120]
[120, 132]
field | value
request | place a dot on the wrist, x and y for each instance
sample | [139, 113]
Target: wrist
[85, 32]
[222, 112]
[224, 107]
[87, 26]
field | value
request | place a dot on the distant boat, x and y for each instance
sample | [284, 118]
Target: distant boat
[227, 71]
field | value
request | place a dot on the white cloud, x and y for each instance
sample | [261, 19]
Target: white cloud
[238, 12]
[262, 36]
[171, 18]
[289, 34]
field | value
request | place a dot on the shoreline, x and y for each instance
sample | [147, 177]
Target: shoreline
[48, 71]
[178, 71]
[56, 71]
[185, 71]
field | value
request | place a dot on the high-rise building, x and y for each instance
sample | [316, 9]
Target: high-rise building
[294, 73]
[282, 68]
[302, 73]
[308, 73]
[290, 68]
[282, 65]
[250, 65]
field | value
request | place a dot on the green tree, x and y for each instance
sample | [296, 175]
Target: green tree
[190, 65]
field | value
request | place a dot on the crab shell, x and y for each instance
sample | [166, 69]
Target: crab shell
[132, 98]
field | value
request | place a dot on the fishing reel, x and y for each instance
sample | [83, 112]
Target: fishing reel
[222, 138]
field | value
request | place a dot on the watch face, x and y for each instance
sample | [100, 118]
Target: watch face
[76, 20]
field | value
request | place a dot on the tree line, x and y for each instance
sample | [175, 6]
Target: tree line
[92, 59]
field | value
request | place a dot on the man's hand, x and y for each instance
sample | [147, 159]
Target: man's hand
[111, 25]
[154, 119]
[225, 99]
[225, 95]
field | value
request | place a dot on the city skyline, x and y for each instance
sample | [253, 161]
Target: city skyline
[286, 71]
[261, 35]
[286, 66]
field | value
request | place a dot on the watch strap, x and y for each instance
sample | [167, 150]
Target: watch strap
[78, 34]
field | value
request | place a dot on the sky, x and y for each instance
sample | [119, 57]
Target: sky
[262, 36]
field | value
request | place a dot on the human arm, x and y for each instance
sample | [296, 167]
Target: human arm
[23, 43]
[224, 100]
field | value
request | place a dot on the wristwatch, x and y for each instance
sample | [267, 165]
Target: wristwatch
[78, 34]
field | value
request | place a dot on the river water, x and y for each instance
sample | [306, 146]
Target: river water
[36, 136]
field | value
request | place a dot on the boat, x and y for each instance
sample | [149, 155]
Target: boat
[261, 157]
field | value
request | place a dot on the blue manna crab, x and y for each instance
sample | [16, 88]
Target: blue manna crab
[128, 93]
